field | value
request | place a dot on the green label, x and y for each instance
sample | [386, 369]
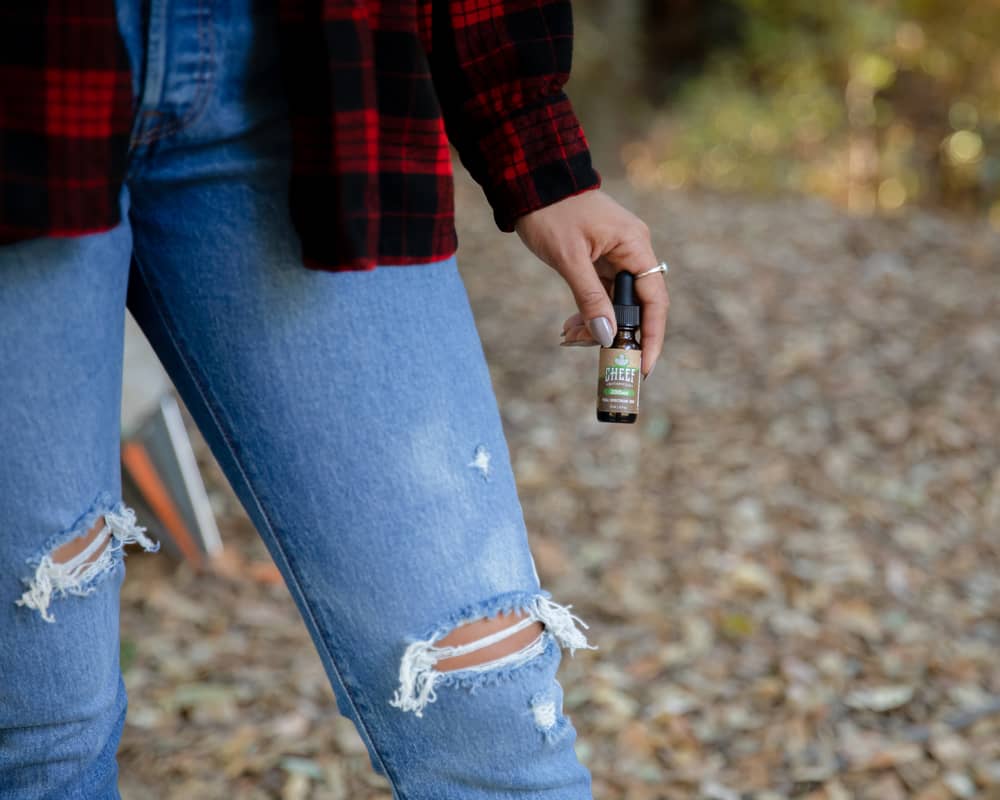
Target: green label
[618, 381]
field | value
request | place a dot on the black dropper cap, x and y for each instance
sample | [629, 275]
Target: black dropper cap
[626, 309]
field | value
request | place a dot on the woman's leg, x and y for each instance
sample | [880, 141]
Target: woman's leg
[62, 525]
[354, 416]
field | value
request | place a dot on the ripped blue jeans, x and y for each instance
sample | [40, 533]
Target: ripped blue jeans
[352, 413]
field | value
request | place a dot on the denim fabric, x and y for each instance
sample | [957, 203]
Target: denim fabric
[352, 413]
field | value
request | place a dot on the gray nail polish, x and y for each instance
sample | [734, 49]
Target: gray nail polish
[600, 329]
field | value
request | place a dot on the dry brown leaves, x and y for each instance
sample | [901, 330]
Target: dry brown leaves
[791, 564]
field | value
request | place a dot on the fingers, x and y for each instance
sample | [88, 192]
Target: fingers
[651, 292]
[591, 298]
[655, 300]
[635, 254]
[573, 321]
[578, 336]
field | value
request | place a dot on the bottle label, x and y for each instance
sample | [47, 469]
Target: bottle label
[618, 383]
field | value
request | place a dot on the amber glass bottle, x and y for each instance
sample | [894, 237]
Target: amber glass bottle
[621, 364]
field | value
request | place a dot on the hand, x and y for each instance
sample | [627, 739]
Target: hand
[587, 238]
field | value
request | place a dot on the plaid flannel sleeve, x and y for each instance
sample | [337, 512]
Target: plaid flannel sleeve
[65, 118]
[499, 67]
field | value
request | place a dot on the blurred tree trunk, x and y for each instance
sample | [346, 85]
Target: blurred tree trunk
[607, 73]
[630, 55]
[678, 35]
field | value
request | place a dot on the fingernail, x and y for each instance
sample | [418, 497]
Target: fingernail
[600, 329]
[651, 370]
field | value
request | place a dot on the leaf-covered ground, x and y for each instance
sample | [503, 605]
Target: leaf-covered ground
[791, 564]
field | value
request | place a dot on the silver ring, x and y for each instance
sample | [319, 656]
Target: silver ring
[661, 267]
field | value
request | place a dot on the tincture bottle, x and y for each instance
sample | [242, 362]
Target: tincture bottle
[621, 363]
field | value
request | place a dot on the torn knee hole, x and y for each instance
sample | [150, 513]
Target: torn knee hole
[84, 549]
[485, 646]
[484, 640]
[74, 562]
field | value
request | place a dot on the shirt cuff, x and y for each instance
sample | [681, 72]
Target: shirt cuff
[536, 157]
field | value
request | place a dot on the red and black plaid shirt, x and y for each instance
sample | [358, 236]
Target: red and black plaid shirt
[371, 172]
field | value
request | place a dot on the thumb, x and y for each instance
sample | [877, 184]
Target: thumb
[592, 300]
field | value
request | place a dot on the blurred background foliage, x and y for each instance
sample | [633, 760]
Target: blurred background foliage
[873, 104]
